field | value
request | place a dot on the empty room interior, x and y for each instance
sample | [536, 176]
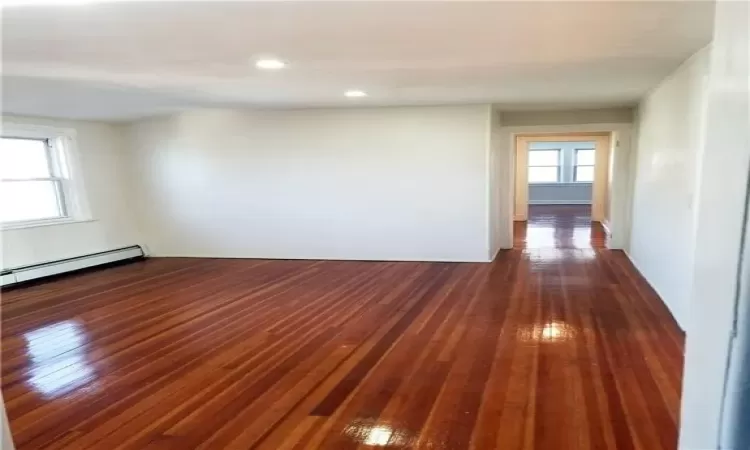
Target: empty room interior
[351, 225]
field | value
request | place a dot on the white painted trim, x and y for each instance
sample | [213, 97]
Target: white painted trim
[66, 157]
[7, 279]
[600, 187]
[42, 223]
[497, 252]
[6, 439]
[326, 258]
[488, 180]
[521, 191]
[32, 131]
[574, 183]
[565, 129]
[56, 268]
[559, 202]
[620, 204]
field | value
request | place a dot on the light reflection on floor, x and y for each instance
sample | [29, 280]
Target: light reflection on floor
[59, 352]
[59, 362]
[377, 434]
[553, 235]
[548, 236]
[559, 227]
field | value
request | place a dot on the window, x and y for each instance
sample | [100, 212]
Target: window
[31, 181]
[544, 166]
[584, 166]
[35, 182]
[565, 162]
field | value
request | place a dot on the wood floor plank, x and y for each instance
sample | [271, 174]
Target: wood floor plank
[559, 344]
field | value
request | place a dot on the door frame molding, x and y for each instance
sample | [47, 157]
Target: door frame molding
[600, 186]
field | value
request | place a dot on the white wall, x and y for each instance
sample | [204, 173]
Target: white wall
[373, 184]
[621, 185]
[498, 170]
[6, 440]
[567, 117]
[100, 149]
[670, 120]
[722, 202]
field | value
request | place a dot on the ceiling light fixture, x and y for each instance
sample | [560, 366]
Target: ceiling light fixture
[355, 93]
[270, 64]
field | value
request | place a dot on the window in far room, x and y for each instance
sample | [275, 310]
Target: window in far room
[584, 165]
[35, 183]
[561, 162]
[544, 166]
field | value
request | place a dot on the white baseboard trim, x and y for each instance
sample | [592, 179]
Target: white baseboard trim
[483, 259]
[7, 278]
[493, 254]
[35, 271]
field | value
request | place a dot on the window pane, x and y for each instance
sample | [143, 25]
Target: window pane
[585, 157]
[544, 157]
[23, 158]
[28, 200]
[543, 174]
[585, 173]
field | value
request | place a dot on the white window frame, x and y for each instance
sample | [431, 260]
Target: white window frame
[576, 165]
[64, 171]
[558, 165]
[567, 161]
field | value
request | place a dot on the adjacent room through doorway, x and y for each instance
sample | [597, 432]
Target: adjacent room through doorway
[561, 197]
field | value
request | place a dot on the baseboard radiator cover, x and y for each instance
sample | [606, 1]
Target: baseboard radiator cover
[9, 277]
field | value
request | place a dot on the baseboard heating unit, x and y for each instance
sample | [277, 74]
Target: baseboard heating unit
[24, 274]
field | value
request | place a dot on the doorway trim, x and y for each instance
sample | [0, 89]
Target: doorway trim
[600, 185]
[623, 162]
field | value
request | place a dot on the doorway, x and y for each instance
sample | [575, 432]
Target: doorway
[561, 193]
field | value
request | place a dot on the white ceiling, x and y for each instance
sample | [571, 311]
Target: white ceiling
[122, 60]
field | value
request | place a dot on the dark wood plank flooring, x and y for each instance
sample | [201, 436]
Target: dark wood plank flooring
[559, 344]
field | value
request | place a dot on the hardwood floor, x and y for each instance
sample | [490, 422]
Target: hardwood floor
[559, 344]
[560, 226]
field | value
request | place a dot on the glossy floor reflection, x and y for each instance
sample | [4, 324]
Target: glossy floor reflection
[58, 359]
[559, 226]
[559, 344]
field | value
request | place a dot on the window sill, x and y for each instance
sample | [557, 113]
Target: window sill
[42, 223]
[572, 183]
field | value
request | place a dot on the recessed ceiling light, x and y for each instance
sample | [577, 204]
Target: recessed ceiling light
[354, 93]
[270, 64]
